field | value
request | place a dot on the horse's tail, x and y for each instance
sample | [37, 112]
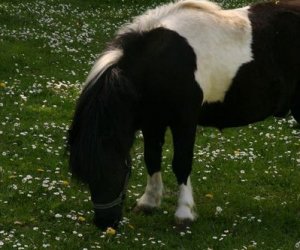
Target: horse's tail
[103, 115]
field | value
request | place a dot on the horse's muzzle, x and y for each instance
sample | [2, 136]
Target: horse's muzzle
[105, 218]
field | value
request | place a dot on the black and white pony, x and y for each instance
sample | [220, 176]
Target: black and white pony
[180, 65]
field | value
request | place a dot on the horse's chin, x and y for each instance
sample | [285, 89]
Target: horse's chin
[103, 224]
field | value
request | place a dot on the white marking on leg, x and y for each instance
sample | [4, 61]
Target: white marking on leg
[185, 208]
[153, 193]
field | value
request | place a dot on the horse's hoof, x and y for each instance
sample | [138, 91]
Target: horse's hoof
[145, 209]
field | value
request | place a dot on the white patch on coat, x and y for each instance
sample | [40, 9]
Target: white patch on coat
[153, 193]
[221, 39]
[106, 60]
[153, 18]
[185, 207]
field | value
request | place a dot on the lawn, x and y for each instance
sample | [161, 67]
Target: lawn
[246, 180]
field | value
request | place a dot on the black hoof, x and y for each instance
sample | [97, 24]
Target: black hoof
[148, 210]
[183, 224]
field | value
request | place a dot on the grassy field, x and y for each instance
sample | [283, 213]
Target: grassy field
[246, 180]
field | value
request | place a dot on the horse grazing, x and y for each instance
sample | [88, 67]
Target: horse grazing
[180, 65]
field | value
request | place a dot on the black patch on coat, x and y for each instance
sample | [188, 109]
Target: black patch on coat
[268, 85]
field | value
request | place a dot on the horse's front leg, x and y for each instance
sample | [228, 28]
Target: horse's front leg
[183, 139]
[153, 142]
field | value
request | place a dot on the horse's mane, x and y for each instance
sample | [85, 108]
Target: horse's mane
[202, 5]
[153, 18]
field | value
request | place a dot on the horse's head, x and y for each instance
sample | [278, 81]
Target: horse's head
[99, 143]
[108, 193]
[101, 135]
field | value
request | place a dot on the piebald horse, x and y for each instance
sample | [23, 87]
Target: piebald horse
[177, 66]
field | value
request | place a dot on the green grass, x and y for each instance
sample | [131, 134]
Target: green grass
[46, 50]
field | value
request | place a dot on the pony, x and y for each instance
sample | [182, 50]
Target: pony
[178, 66]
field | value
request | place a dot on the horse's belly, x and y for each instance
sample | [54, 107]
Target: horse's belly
[246, 102]
[221, 116]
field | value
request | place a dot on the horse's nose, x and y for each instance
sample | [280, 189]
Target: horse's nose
[103, 223]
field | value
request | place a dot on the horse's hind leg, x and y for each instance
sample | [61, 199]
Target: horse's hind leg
[295, 109]
[153, 142]
[183, 139]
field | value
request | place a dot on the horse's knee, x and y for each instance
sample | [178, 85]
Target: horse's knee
[183, 140]
[153, 143]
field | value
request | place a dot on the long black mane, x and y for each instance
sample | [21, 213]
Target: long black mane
[103, 118]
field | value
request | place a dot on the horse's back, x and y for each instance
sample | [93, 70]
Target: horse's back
[290, 4]
[245, 62]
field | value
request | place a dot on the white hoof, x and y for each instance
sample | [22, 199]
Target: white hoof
[185, 213]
